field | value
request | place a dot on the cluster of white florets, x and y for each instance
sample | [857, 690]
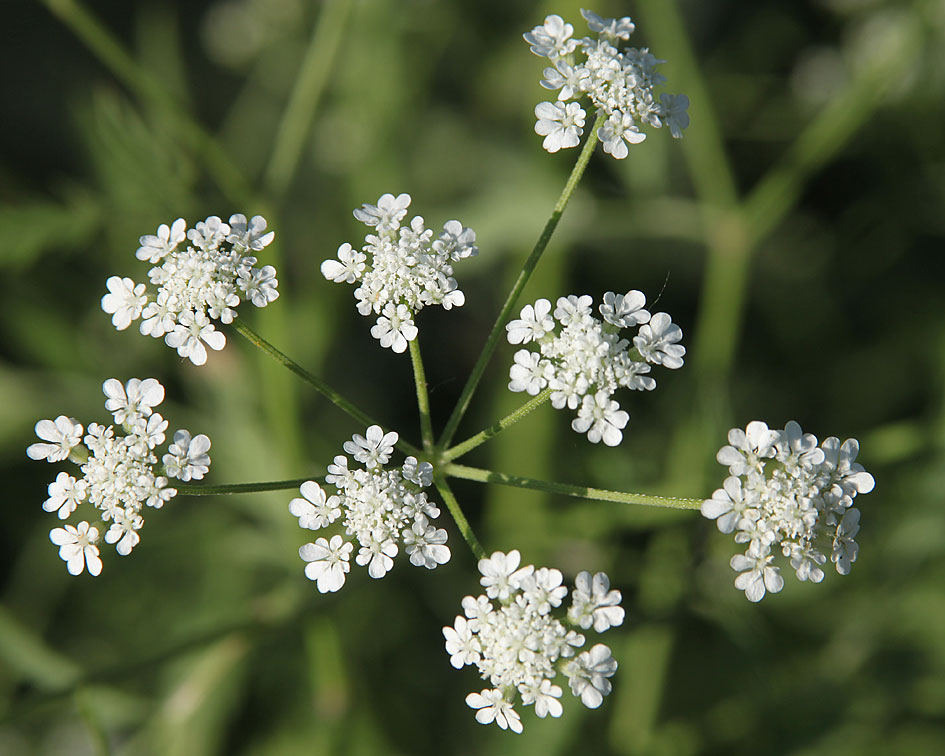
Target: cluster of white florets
[584, 360]
[408, 269]
[201, 281]
[787, 494]
[618, 82]
[120, 472]
[513, 637]
[378, 508]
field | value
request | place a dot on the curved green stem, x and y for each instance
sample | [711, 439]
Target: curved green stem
[423, 399]
[195, 489]
[479, 368]
[461, 522]
[565, 489]
[493, 430]
[317, 383]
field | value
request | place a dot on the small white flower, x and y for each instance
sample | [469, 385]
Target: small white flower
[259, 285]
[378, 556]
[395, 328]
[65, 494]
[593, 603]
[624, 310]
[374, 448]
[560, 124]
[527, 373]
[124, 533]
[209, 234]
[727, 505]
[601, 418]
[757, 574]
[420, 473]
[492, 707]
[425, 544]
[155, 248]
[124, 301]
[609, 28]
[675, 113]
[656, 342]
[132, 401]
[462, 646]
[545, 697]
[249, 235]
[456, 241]
[588, 673]
[327, 562]
[189, 336]
[187, 457]
[748, 448]
[63, 434]
[844, 547]
[500, 573]
[77, 548]
[533, 323]
[315, 511]
[347, 268]
[543, 589]
[617, 132]
[386, 214]
[552, 39]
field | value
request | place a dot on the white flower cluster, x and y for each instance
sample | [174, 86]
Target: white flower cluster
[120, 472]
[409, 268]
[379, 508]
[787, 493]
[584, 361]
[202, 281]
[618, 82]
[518, 645]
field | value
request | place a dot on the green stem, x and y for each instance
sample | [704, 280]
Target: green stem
[565, 489]
[423, 399]
[319, 385]
[195, 489]
[461, 522]
[479, 368]
[151, 90]
[480, 438]
[309, 85]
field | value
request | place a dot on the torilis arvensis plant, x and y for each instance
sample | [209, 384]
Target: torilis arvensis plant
[785, 493]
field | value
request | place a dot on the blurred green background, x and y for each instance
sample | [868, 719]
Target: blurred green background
[795, 233]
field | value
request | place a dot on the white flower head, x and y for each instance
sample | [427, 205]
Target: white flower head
[618, 81]
[583, 360]
[786, 494]
[187, 457]
[201, 275]
[518, 638]
[380, 510]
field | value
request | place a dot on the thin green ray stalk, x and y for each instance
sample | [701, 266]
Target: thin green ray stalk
[423, 399]
[493, 430]
[149, 89]
[565, 489]
[306, 93]
[479, 368]
[317, 383]
[461, 522]
[196, 489]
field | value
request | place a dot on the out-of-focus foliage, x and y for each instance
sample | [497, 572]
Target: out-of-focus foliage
[796, 234]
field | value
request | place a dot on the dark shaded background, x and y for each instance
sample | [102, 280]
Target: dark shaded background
[795, 234]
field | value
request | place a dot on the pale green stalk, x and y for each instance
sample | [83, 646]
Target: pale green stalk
[423, 399]
[497, 330]
[461, 522]
[196, 489]
[480, 438]
[565, 489]
[317, 383]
